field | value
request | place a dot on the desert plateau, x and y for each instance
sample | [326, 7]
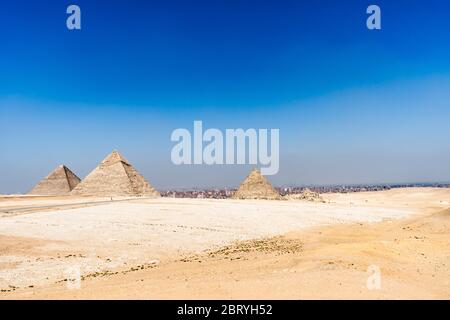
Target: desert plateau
[79, 247]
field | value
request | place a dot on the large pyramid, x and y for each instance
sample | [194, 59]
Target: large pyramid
[256, 186]
[115, 176]
[59, 182]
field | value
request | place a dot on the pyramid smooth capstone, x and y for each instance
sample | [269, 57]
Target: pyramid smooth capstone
[60, 181]
[256, 186]
[115, 176]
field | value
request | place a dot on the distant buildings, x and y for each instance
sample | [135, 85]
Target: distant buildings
[215, 193]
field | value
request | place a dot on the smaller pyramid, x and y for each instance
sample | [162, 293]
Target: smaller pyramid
[256, 186]
[59, 182]
[115, 176]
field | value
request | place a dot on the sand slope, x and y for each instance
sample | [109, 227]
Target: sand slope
[213, 249]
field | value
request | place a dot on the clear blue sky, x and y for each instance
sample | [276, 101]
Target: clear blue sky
[352, 105]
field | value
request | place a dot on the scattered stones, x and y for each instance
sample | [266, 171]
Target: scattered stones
[307, 195]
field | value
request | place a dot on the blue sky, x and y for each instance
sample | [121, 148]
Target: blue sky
[352, 105]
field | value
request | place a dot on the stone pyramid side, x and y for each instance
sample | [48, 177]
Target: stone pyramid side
[59, 182]
[138, 183]
[115, 177]
[256, 186]
[72, 178]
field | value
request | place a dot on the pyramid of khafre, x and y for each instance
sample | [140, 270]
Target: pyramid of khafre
[256, 186]
[59, 182]
[115, 176]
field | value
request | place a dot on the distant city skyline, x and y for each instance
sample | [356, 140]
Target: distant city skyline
[354, 106]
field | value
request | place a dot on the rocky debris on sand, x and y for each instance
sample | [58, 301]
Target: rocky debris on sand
[307, 195]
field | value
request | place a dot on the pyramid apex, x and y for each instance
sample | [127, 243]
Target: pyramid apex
[255, 171]
[114, 157]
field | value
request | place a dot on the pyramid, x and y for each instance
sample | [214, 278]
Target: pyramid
[59, 182]
[115, 176]
[256, 186]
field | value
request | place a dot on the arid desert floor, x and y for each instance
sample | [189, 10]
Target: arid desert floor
[231, 249]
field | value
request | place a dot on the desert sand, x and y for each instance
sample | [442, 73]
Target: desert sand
[231, 249]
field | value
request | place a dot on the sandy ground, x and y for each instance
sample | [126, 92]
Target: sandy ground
[15, 205]
[187, 248]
